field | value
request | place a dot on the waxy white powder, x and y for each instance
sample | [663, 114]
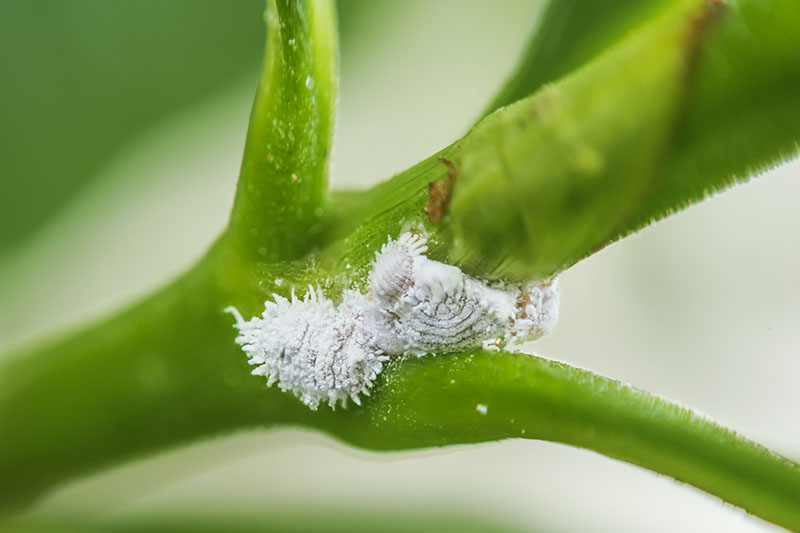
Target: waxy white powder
[323, 352]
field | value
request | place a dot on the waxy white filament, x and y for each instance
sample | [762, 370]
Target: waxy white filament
[323, 352]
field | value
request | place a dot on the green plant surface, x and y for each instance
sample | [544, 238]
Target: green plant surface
[569, 34]
[530, 190]
[561, 214]
[284, 176]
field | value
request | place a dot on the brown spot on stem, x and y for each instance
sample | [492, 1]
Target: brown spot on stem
[441, 192]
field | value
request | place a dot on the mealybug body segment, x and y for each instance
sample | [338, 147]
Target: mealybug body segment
[323, 352]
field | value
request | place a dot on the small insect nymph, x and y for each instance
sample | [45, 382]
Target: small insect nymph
[323, 352]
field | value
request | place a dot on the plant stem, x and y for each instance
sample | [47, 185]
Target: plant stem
[138, 387]
[164, 372]
[585, 152]
[425, 402]
[284, 175]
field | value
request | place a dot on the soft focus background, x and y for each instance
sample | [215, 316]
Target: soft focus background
[121, 131]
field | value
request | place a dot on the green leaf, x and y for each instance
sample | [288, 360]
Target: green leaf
[738, 115]
[284, 175]
[698, 98]
[543, 182]
[742, 110]
[570, 33]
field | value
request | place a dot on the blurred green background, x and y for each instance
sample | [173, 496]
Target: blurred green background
[121, 129]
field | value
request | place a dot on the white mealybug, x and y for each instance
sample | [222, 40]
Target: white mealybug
[415, 306]
[311, 348]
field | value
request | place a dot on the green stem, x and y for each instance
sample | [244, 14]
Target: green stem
[160, 389]
[168, 371]
[435, 402]
[284, 174]
[164, 372]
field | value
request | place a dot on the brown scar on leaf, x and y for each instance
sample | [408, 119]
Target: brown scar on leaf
[699, 28]
[440, 193]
